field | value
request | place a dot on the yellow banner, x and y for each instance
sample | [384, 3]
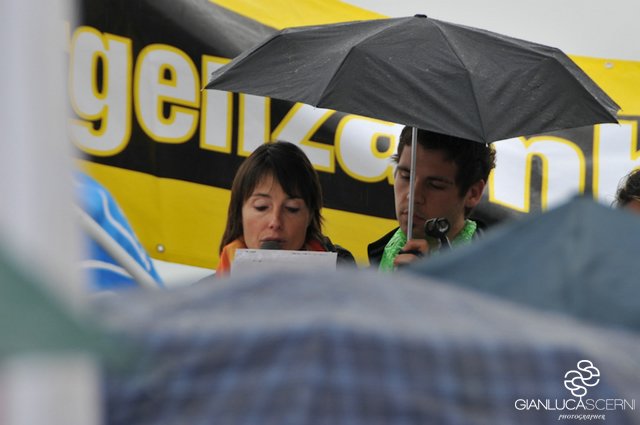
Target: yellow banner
[620, 79]
[281, 14]
[183, 222]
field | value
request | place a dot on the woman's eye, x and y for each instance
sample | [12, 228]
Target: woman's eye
[293, 209]
[260, 207]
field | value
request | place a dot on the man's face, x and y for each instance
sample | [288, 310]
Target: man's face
[436, 192]
[633, 206]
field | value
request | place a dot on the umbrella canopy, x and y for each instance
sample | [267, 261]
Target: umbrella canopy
[352, 347]
[425, 73]
[580, 258]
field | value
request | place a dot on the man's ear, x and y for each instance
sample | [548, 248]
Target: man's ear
[474, 194]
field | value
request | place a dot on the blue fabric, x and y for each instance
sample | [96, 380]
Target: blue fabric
[580, 258]
[104, 272]
[350, 347]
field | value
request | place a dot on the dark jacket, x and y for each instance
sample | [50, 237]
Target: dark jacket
[376, 249]
[344, 257]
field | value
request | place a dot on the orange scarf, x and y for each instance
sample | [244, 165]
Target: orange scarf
[229, 252]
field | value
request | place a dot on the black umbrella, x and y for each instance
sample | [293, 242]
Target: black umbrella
[424, 73]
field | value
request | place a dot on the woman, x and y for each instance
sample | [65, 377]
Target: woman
[275, 201]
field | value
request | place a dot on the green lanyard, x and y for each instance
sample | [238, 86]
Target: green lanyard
[399, 239]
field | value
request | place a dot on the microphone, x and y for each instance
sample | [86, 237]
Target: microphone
[437, 228]
[270, 245]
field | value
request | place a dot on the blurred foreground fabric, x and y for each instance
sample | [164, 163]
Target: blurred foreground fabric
[580, 258]
[351, 347]
[103, 270]
[33, 320]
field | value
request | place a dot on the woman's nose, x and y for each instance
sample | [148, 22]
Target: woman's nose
[275, 219]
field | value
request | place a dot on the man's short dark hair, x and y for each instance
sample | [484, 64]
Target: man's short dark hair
[474, 160]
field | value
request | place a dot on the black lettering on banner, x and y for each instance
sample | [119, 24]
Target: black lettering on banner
[165, 132]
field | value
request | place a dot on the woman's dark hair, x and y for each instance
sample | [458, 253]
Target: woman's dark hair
[629, 189]
[291, 168]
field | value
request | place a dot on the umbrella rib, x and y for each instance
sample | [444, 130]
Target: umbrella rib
[470, 82]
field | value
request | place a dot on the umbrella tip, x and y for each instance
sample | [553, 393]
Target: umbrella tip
[419, 15]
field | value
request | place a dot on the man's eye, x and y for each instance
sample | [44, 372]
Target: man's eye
[438, 186]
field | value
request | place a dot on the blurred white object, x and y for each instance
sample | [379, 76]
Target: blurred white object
[36, 220]
[35, 160]
[48, 389]
[174, 275]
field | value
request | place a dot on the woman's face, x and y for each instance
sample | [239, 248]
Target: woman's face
[269, 214]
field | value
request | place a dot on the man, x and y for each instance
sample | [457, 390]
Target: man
[628, 195]
[451, 174]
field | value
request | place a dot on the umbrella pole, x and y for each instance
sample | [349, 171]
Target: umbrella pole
[412, 178]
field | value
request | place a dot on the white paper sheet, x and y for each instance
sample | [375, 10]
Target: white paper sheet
[261, 260]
